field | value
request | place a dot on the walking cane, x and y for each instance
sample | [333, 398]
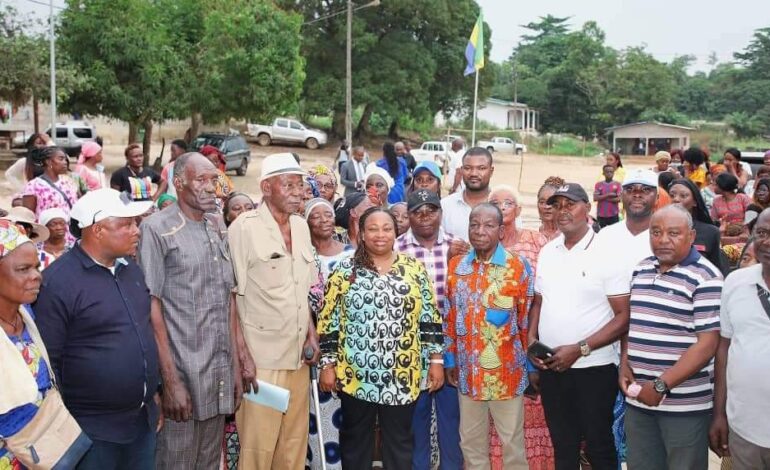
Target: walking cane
[317, 405]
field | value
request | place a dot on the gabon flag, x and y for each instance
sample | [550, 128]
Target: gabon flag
[474, 51]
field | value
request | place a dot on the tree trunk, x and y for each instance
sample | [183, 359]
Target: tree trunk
[393, 130]
[196, 119]
[36, 114]
[338, 123]
[147, 142]
[133, 132]
[364, 128]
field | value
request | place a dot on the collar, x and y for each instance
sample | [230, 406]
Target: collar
[692, 258]
[457, 198]
[411, 240]
[88, 262]
[581, 245]
[498, 257]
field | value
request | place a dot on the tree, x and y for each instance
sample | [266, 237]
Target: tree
[408, 58]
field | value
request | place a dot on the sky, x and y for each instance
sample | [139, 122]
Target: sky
[668, 27]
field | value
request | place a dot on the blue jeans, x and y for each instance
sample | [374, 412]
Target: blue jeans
[137, 455]
[448, 427]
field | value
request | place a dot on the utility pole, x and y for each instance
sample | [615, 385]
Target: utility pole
[349, 79]
[53, 72]
[515, 81]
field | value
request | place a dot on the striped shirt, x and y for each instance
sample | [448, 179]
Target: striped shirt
[434, 259]
[668, 310]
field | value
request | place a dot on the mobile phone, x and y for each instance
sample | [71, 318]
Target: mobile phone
[540, 350]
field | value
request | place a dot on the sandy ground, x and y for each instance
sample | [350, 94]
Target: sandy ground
[525, 173]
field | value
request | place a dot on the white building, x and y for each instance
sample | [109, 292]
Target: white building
[501, 114]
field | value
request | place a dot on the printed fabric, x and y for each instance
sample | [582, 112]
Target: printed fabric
[375, 327]
[486, 324]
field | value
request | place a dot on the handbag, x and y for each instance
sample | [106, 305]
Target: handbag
[52, 439]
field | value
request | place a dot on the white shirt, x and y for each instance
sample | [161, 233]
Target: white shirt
[747, 168]
[455, 215]
[574, 284]
[455, 163]
[624, 249]
[360, 168]
[745, 323]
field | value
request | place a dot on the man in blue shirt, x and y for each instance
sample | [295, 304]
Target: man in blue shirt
[93, 313]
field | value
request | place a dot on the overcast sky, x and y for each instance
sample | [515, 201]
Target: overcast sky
[668, 27]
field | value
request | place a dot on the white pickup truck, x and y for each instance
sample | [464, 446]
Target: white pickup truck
[502, 144]
[433, 150]
[287, 131]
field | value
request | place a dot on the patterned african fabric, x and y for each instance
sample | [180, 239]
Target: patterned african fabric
[375, 327]
[486, 324]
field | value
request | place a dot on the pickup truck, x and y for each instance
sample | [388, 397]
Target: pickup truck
[287, 131]
[433, 150]
[502, 144]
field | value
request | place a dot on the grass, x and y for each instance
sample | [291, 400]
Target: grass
[563, 145]
[718, 138]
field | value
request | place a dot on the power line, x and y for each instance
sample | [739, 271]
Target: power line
[45, 4]
[330, 15]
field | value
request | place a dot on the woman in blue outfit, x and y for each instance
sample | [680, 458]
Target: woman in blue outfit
[396, 168]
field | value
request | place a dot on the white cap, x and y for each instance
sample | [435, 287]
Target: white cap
[53, 213]
[640, 176]
[100, 204]
[281, 164]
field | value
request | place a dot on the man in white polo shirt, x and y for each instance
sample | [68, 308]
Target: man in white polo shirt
[740, 426]
[580, 310]
[477, 170]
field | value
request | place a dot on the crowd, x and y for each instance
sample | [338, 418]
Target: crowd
[139, 319]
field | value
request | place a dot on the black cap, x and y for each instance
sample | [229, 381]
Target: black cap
[343, 206]
[421, 197]
[572, 191]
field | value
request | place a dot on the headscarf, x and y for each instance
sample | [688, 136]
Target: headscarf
[208, 150]
[165, 197]
[10, 238]
[315, 202]
[88, 150]
[52, 213]
[344, 205]
[313, 183]
[716, 169]
[322, 170]
[373, 169]
[700, 212]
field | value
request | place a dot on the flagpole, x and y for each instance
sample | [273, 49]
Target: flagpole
[475, 106]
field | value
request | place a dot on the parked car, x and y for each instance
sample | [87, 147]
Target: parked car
[288, 131]
[71, 135]
[234, 146]
[433, 150]
[502, 144]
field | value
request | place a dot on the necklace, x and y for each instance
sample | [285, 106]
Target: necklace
[15, 324]
[390, 263]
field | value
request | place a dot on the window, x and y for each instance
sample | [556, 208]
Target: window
[296, 125]
[282, 123]
[82, 132]
[61, 132]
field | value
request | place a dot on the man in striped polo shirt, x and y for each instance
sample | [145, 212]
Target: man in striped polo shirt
[667, 360]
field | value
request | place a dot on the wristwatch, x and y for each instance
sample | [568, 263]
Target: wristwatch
[660, 386]
[585, 349]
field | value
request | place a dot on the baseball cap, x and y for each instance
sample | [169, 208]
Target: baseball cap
[422, 197]
[100, 204]
[281, 164]
[432, 167]
[571, 191]
[641, 176]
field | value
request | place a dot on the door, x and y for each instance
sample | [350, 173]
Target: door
[296, 132]
[281, 129]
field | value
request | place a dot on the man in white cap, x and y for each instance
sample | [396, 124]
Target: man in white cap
[184, 255]
[275, 269]
[93, 314]
[628, 242]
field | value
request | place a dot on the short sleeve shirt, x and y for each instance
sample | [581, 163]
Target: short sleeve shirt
[734, 211]
[575, 285]
[186, 264]
[607, 208]
[455, 215]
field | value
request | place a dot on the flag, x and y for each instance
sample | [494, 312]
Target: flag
[474, 51]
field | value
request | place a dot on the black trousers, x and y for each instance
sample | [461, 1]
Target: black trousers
[578, 405]
[357, 434]
[605, 221]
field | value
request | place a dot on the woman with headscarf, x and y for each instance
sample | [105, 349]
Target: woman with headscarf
[707, 239]
[89, 166]
[395, 166]
[26, 377]
[371, 354]
[57, 223]
[378, 184]
[327, 182]
[319, 214]
[165, 200]
[224, 185]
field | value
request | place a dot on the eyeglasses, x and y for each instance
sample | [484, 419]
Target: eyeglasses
[761, 234]
[505, 204]
[330, 186]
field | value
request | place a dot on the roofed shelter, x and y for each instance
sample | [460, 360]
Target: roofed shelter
[648, 137]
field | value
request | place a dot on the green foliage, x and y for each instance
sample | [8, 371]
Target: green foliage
[744, 125]
[563, 145]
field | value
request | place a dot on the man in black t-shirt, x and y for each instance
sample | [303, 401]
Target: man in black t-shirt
[135, 178]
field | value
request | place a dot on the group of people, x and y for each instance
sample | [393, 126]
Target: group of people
[437, 324]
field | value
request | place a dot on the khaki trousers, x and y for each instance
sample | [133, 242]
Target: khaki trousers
[474, 432]
[269, 439]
